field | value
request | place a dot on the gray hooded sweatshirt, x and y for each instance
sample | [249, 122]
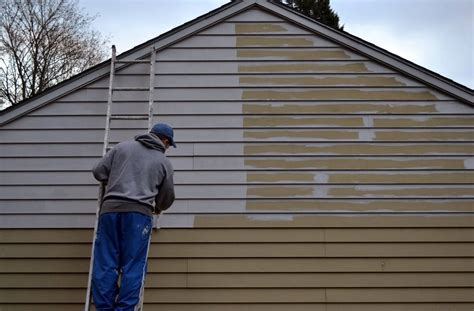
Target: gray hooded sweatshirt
[139, 177]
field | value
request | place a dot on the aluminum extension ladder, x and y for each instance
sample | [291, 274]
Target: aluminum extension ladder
[109, 118]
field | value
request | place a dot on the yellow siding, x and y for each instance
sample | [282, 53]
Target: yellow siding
[254, 266]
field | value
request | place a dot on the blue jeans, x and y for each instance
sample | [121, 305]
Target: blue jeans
[121, 247]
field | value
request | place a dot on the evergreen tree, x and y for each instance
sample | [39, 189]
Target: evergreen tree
[319, 10]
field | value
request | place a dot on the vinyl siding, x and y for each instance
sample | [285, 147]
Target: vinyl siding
[308, 177]
[255, 268]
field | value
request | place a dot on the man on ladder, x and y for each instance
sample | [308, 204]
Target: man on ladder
[139, 181]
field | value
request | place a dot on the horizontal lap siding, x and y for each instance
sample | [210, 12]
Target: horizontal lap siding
[226, 121]
[231, 268]
[308, 177]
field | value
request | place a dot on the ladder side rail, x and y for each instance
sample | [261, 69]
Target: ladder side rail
[142, 289]
[152, 87]
[109, 101]
[156, 217]
[150, 120]
[102, 185]
[150, 111]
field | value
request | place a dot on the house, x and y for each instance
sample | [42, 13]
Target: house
[314, 171]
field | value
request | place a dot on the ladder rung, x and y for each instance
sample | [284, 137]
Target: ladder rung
[132, 61]
[131, 89]
[128, 118]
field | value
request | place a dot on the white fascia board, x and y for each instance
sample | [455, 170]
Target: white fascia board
[372, 52]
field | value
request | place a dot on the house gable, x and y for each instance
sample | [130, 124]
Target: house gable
[309, 176]
[427, 77]
[236, 91]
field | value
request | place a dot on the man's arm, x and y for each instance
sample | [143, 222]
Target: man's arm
[165, 196]
[101, 170]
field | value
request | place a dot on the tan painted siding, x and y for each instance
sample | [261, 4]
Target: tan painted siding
[302, 268]
[309, 177]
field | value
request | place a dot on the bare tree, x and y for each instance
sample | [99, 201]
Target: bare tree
[42, 43]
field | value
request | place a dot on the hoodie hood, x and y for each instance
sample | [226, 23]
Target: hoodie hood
[151, 141]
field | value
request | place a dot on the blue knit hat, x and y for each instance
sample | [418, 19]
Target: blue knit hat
[164, 130]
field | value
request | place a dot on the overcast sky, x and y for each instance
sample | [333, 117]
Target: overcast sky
[436, 34]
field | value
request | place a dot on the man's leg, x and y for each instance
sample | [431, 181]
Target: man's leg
[136, 233]
[106, 263]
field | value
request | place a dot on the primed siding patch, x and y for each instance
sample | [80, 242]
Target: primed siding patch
[456, 107]
[322, 221]
[260, 27]
[273, 42]
[402, 177]
[242, 221]
[401, 191]
[270, 217]
[319, 134]
[357, 149]
[324, 81]
[291, 121]
[360, 206]
[336, 108]
[316, 68]
[337, 95]
[294, 55]
[275, 177]
[357, 163]
[423, 121]
[279, 191]
[427, 135]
